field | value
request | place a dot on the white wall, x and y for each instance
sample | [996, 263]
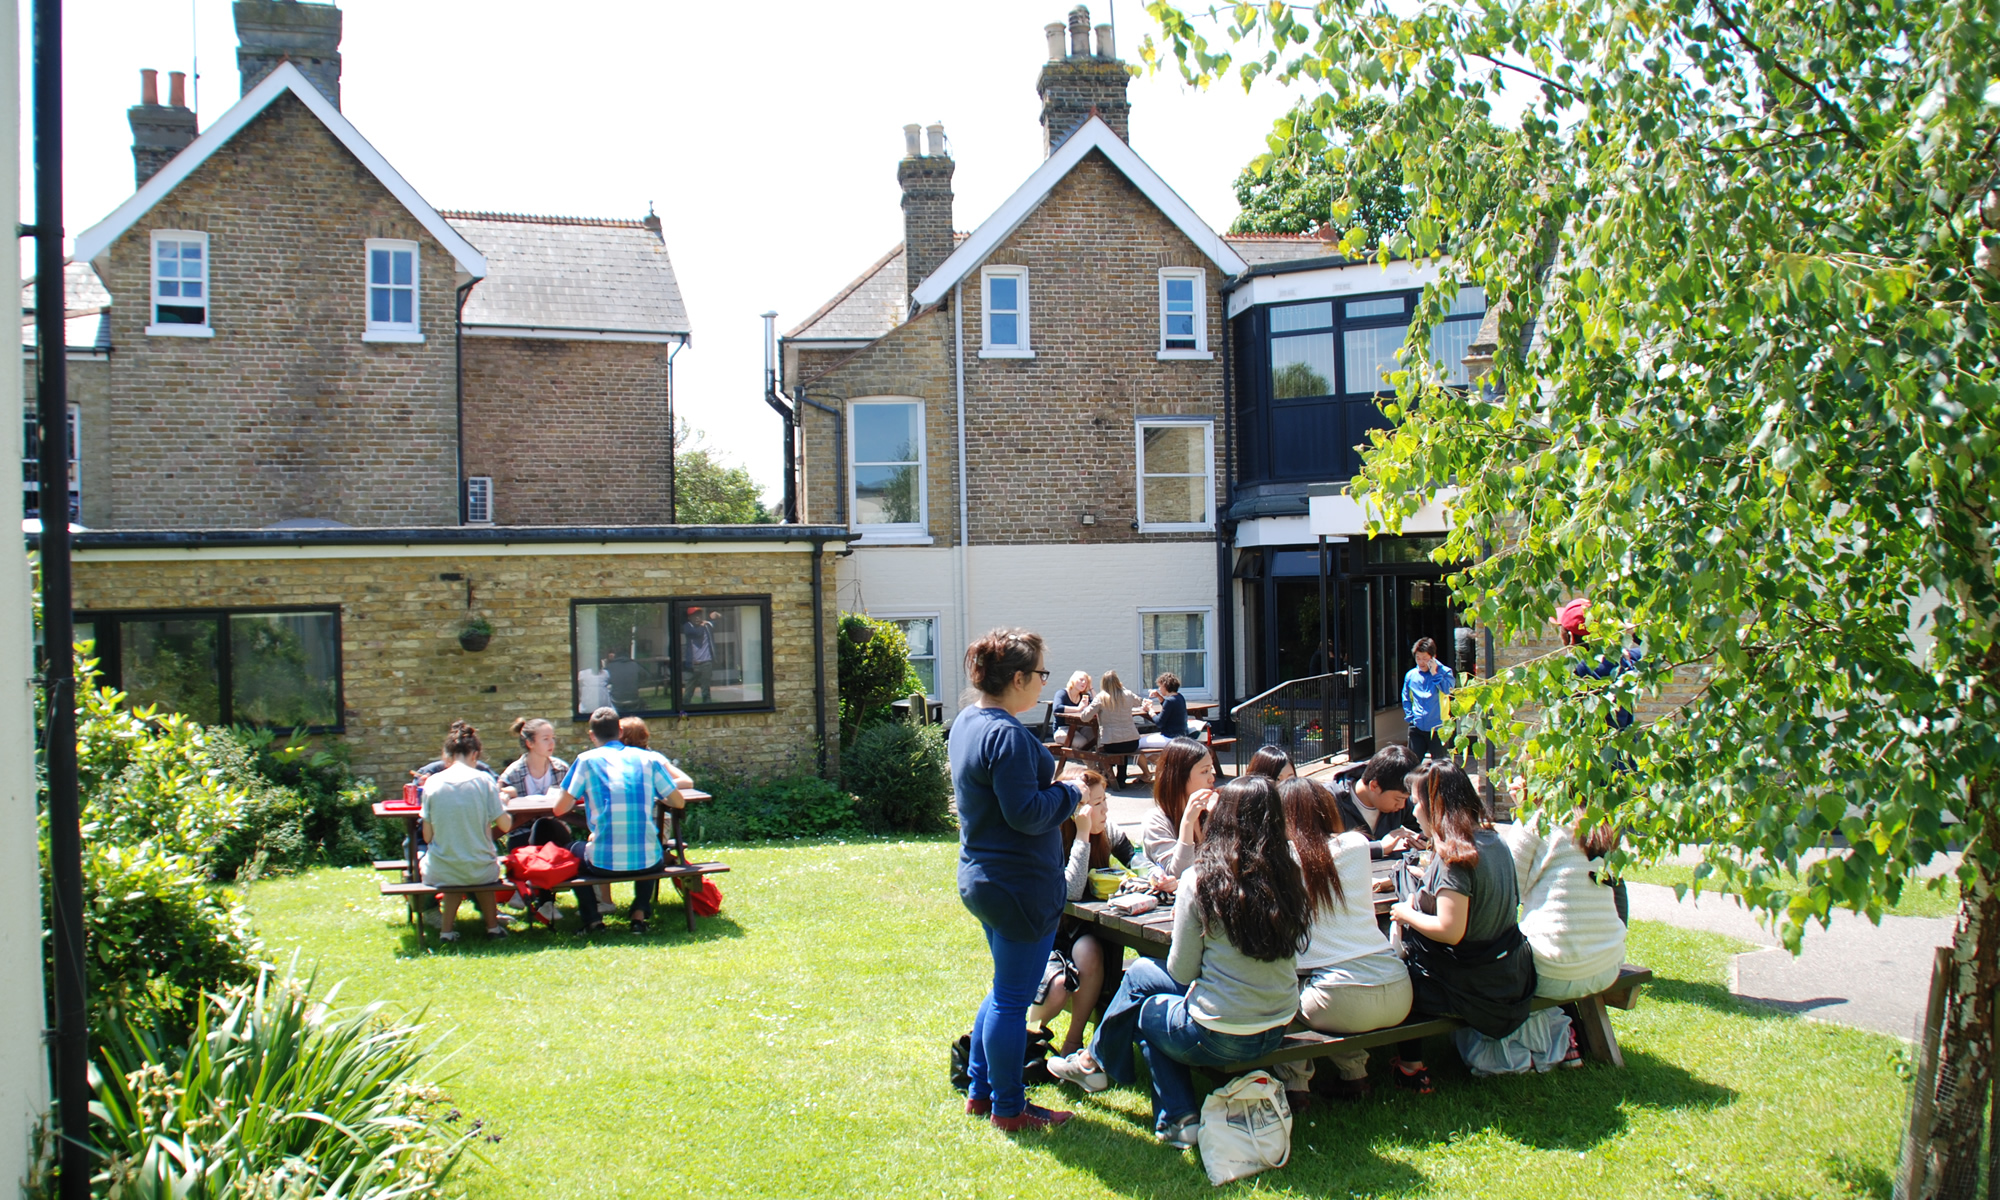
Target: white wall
[1085, 601]
[23, 1059]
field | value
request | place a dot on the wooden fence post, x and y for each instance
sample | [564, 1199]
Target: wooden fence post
[1911, 1174]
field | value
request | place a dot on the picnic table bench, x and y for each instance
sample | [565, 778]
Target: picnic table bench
[675, 868]
[1151, 934]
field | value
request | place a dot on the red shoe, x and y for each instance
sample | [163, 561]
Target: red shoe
[1418, 1080]
[978, 1108]
[1032, 1117]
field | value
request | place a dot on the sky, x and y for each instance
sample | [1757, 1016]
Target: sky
[766, 135]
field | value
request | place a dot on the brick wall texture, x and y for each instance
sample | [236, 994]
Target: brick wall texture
[405, 678]
[572, 433]
[285, 412]
[1052, 437]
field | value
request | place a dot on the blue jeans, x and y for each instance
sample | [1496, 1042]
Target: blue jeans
[1000, 1030]
[1151, 1010]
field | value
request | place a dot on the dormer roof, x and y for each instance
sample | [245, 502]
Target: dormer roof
[95, 242]
[1093, 134]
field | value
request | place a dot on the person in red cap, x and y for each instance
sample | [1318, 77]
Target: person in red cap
[698, 656]
[1573, 619]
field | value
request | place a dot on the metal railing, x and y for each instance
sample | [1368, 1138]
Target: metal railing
[1306, 718]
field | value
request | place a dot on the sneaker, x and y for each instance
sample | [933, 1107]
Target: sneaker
[1032, 1117]
[1299, 1101]
[638, 924]
[547, 911]
[1071, 1068]
[1184, 1133]
[978, 1108]
[452, 936]
[497, 932]
[515, 901]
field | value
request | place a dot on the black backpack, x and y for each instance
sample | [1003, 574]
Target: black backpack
[1035, 1068]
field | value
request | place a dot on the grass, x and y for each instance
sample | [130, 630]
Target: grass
[1921, 898]
[796, 1046]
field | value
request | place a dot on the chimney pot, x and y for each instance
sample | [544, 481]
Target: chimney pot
[1104, 46]
[913, 141]
[936, 133]
[149, 86]
[1054, 31]
[158, 131]
[1079, 32]
[177, 88]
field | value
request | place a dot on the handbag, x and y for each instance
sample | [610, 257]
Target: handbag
[1246, 1127]
[1034, 1067]
[547, 866]
[705, 899]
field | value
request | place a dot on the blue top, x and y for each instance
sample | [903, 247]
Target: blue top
[1173, 716]
[1423, 697]
[617, 785]
[1611, 668]
[1010, 815]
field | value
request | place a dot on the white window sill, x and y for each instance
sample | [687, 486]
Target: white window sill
[893, 537]
[1186, 356]
[196, 331]
[1207, 527]
[408, 336]
[1005, 352]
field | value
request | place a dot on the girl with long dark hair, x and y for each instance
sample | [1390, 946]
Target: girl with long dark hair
[1183, 791]
[1010, 862]
[1229, 985]
[1272, 763]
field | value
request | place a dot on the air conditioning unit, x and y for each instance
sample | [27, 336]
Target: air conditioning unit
[479, 500]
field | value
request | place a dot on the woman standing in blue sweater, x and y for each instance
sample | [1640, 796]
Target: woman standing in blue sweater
[1010, 862]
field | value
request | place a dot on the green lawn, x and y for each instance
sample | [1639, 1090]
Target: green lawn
[796, 1046]
[1921, 898]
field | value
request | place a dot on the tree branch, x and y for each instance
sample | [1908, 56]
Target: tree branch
[1534, 75]
[1724, 19]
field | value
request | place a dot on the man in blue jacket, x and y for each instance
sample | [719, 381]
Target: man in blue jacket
[1424, 690]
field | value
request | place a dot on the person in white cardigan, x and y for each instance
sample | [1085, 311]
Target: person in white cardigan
[1568, 914]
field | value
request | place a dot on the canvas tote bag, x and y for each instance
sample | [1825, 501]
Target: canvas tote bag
[1246, 1127]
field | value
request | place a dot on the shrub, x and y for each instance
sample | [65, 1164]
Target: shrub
[159, 936]
[901, 774]
[273, 1095]
[791, 806]
[874, 669]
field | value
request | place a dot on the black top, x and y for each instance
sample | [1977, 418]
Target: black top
[1488, 978]
[1173, 716]
[1351, 816]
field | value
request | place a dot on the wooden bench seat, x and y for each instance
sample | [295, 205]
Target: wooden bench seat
[684, 876]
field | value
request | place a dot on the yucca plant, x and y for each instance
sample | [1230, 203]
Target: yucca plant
[276, 1094]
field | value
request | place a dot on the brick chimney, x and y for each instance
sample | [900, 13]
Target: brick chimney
[926, 180]
[1074, 82]
[159, 131]
[270, 31]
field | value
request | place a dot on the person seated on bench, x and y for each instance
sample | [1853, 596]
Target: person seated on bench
[461, 813]
[538, 771]
[438, 764]
[1568, 913]
[1350, 981]
[1183, 793]
[1229, 985]
[1117, 732]
[1373, 801]
[1074, 698]
[1081, 963]
[1465, 951]
[1168, 708]
[1273, 764]
[617, 785]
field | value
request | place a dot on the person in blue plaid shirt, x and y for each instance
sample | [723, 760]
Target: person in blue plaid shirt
[617, 785]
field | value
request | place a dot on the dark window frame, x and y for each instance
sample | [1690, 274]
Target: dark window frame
[110, 664]
[673, 604]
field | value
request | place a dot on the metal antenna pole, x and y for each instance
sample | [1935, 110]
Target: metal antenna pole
[72, 1080]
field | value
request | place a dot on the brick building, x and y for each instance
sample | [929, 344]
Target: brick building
[320, 429]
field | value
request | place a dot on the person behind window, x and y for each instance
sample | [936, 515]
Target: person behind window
[1463, 943]
[1081, 964]
[1010, 863]
[1117, 732]
[698, 655]
[1350, 981]
[1372, 800]
[461, 813]
[1168, 708]
[1272, 763]
[1183, 793]
[1230, 984]
[1424, 690]
[1075, 697]
[617, 785]
[593, 687]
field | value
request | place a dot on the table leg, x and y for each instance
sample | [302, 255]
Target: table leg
[1600, 1043]
[411, 827]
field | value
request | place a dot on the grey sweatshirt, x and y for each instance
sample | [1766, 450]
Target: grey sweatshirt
[1231, 992]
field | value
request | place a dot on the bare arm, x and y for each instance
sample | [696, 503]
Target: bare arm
[1447, 927]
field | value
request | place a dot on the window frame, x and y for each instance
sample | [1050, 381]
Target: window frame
[408, 332]
[1207, 690]
[679, 604]
[111, 667]
[1199, 352]
[472, 485]
[916, 532]
[31, 464]
[1022, 348]
[936, 659]
[154, 326]
[1139, 427]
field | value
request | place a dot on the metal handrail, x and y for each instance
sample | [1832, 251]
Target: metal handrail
[1346, 676]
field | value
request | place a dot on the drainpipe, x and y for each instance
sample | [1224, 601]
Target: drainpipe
[458, 362]
[839, 452]
[791, 423]
[1225, 532]
[964, 535]
[673, 440]
[819, 651]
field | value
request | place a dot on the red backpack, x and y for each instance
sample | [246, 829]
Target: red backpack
[706, 900]
[547, 866]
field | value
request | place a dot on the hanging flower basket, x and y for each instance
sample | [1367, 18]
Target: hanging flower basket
[475, 635]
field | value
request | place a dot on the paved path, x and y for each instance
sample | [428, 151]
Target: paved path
[1853, 973]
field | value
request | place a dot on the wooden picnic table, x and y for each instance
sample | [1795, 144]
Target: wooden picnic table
[1152, 933]
[530, 808]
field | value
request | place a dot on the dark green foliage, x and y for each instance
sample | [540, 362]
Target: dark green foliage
[159, 936]
[791, 806]
[1293, 188]
[874, 660]
[708, 490]
[901, 774]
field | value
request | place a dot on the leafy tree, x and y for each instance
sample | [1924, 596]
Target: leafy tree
[1754, 421]
[1294, 187]
[708, 491]
[874, 671]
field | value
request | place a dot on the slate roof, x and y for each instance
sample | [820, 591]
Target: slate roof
[86, 307]
[581, 274]
[1258, 249]
[865, 309]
